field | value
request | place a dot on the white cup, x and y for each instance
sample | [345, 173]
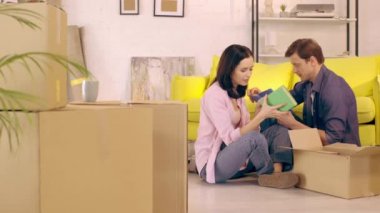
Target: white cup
[90, 90]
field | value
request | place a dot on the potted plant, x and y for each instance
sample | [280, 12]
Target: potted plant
[283, 12]
[11, 100]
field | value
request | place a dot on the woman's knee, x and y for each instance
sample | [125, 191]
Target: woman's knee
[258, 140]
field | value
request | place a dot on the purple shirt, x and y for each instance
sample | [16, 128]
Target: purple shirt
[334, 107]
[216, 126]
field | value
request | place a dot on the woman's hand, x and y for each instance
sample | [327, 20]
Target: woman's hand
[267, 111]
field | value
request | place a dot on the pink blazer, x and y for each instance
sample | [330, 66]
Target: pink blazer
[215, 127]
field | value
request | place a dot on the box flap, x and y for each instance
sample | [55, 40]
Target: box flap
[367, 151]
[342, 148]
[305, 139]
[352, 149]
[95, 103]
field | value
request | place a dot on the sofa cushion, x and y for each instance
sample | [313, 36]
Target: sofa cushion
[192, 131]
[359, 72]
[213, 70]
[261, 74]
[267, 76]
[193, 109]
[367, 135]
[366, 109]
[187, 87]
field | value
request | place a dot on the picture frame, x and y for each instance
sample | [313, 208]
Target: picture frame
[169, 8]
[129, 7]
[151, 77]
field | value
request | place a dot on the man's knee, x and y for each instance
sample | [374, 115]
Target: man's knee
[282, 131]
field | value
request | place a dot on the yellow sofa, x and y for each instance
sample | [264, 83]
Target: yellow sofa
[361, 73]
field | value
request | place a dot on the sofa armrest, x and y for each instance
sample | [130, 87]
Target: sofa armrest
[376, 99]
[187, 87]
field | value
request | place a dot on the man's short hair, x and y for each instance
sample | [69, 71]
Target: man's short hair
[305, 48]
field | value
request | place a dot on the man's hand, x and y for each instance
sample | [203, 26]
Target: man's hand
[287, 120]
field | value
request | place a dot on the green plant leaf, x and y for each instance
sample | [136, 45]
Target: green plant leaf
[22, 16]
[30, 63]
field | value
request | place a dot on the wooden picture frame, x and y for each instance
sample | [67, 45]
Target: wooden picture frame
[129, 7]
[169, 8]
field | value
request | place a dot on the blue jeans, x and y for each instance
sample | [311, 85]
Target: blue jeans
[252, 146]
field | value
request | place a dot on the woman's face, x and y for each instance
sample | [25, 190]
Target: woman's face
[242, 72]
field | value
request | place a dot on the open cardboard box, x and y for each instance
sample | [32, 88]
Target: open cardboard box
[339, 169]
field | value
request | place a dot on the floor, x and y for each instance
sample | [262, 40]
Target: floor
[246, 196]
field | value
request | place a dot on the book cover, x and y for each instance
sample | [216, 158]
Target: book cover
[282, 96]
[260, 95]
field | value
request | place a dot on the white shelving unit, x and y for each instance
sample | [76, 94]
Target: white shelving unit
[332, 20]
[338, 36]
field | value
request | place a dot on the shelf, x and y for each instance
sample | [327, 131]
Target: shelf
[282, 56]
[340, 25]
[333, 20]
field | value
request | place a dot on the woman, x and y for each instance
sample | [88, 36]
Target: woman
[229, 143]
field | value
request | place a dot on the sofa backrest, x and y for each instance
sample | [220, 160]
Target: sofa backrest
[264, 76]
[268, 76]
[213, 70]
[359, 72]
[187, 87]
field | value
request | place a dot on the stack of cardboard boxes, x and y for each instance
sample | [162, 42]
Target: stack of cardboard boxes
[101, 157]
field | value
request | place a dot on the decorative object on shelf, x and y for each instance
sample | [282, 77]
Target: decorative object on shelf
[313, 11]
[306, 19]
[151, 76]
[169, 8]
[283, 12]
[129, 7]
[268, 11]
[270, 42]
[90, 89]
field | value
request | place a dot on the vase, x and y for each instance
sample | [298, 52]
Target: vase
[268, 11]
[284, 14]
[90, 90]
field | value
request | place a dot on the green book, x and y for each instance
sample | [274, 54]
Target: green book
[282, 96]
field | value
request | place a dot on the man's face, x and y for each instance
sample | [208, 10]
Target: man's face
[302, 67]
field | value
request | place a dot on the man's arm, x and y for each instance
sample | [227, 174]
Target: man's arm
[287, 120]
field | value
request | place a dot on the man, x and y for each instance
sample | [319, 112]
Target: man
[329, 104]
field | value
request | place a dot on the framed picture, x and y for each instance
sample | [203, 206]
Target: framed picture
[169, 8]
[151, 77]
[129, 7]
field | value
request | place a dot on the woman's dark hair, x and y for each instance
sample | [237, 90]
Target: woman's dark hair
[305, 48]
[230, 59]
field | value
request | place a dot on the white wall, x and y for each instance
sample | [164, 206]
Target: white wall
[369, 33]
[110, 39]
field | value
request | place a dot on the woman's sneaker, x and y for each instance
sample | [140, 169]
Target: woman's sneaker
[280, 180]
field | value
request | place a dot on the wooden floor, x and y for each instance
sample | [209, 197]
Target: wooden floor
[246, 196]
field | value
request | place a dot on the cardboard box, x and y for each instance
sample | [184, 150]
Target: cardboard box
[102, 158]
[50, 87]
[56, 3]
[342, 170]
